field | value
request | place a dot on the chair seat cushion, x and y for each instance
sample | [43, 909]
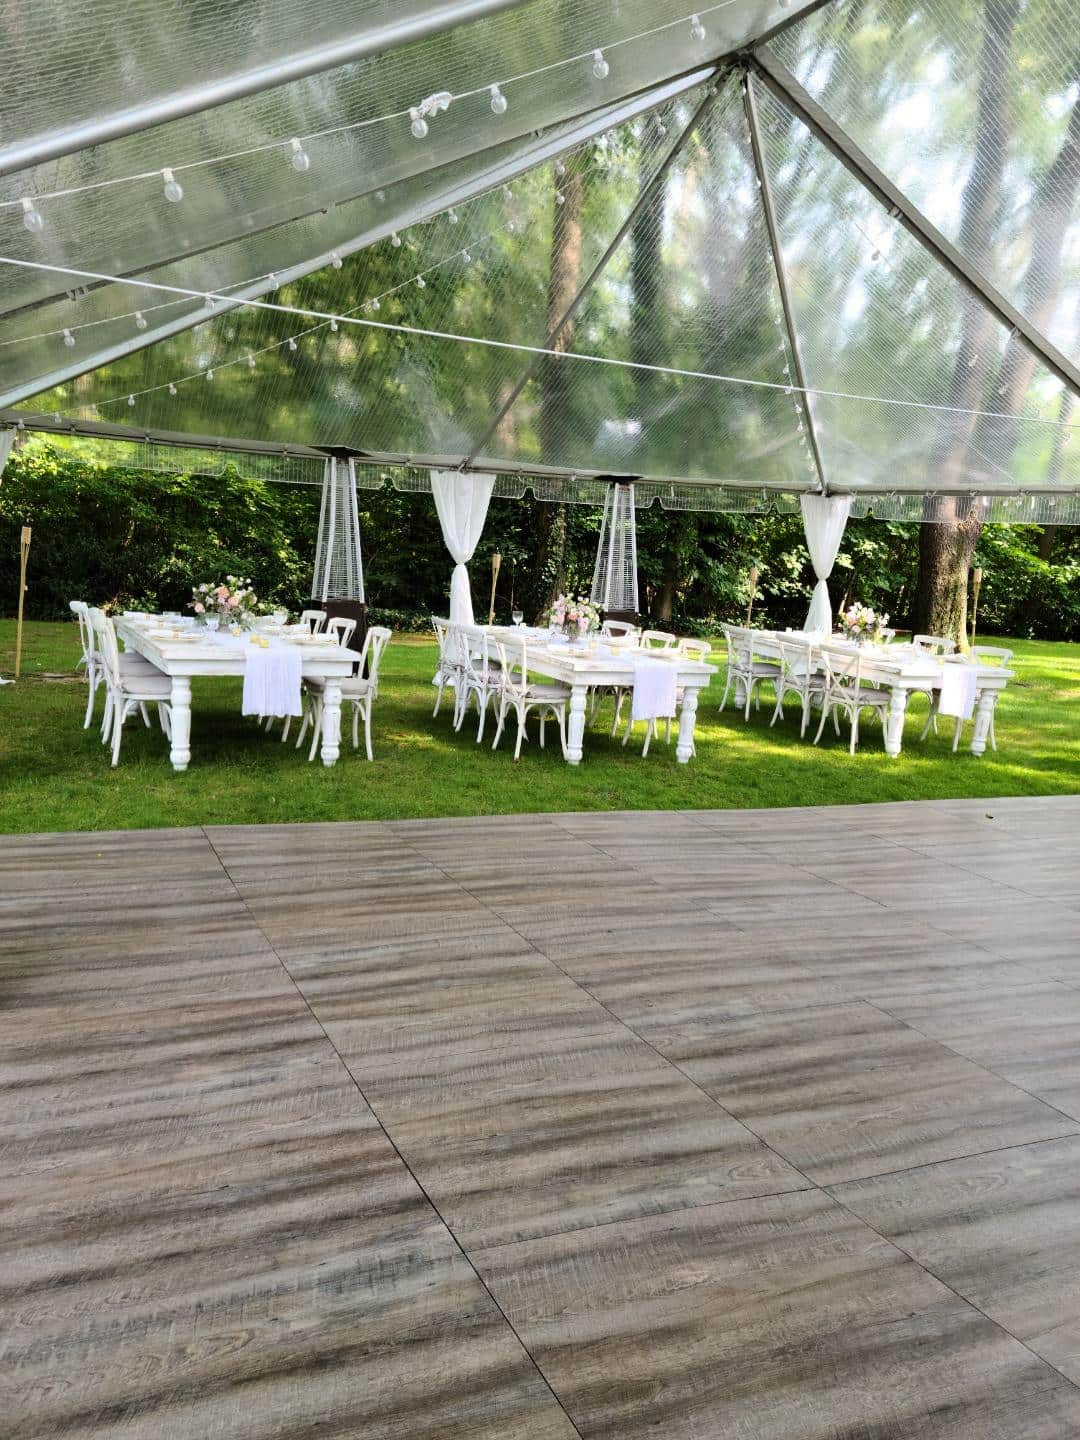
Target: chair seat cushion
[130, 661]
[552, 691]
[868, 695]
[152, 686]
[764, 669]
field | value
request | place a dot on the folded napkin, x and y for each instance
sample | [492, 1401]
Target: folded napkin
[957, 690]
[272, 680]
[654, 688]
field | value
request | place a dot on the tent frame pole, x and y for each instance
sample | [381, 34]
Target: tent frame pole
[750, 106]
[644, 196]
[779, 80]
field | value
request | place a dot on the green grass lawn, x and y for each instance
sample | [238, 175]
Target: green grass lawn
[56, 776]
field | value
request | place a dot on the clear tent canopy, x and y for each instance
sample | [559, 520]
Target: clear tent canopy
[740, 254]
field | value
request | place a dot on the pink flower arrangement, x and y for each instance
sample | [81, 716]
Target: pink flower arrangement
[574, 613]
[233, 599]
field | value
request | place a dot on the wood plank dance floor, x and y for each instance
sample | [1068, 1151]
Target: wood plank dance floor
[745, 1125]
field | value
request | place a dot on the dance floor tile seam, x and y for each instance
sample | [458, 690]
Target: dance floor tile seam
[613, 1136]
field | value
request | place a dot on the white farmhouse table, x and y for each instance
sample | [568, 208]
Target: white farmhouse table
[585, 672]
[182, 660]
[903, 673]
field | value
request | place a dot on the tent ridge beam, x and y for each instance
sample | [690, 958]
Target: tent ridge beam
[779, 80]
[750, 106]
[594, 274]
[52, 145]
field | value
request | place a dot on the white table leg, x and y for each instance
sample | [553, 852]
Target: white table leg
[687, 718]
[576, 729]
[984, 714]
[180, 705]
[894, 721]
[331, 722]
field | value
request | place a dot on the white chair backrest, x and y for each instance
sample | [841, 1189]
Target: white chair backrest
[740, 642]
[695, 649]
[81, 611]
[313, 619]
[514, 659]
[374, 644]
[843, 667]
[340, 629]
[105, 643]
[797, 659]
[658, 640]
[990, 655]
[456, 646]
[618, 628]
[936, 644]
[473, 650]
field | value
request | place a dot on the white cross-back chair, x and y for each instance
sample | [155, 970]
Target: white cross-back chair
[313, 619]
[129, 687]
[340, 629]
[518, 693]
[658, 640]
[799, 675]
[743, 671]
[983, 655]
[845, 691]
[619, 629]
[939, 645]
[360, 691]
[479, 674]
[90, 656]
[693, 649]
[449, 660]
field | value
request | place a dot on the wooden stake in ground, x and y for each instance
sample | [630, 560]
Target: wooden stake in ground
[24, 555]
[496, 561]
[976, 585]
[753, 592]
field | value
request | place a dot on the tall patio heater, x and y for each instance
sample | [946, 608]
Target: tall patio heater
[615, 579]
[338, 582]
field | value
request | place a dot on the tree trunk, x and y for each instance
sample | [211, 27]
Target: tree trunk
[947, 543]
[564, 280]
[945, 556]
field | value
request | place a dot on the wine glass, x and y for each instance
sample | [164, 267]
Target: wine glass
[212, 622]
[517, 616]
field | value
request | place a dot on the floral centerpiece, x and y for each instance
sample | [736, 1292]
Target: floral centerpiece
[861, 624]
[574, 615]
[232, 600]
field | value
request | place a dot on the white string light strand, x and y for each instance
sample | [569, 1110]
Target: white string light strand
[285, 145]
[232, 303]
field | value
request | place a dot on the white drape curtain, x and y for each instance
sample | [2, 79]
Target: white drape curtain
[462, 502]
[824, 519]
[7, 440]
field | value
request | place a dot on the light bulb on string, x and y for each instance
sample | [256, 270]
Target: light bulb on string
[335, 260]
[697, 29]
[172, 388]
[508, 194]
[69, 340]
[299, 159]
[466, 257]
[418, 125]
[395, 239]
[560, 198]
[498, 101]
[374, 305]
[172, 189]
[452, 215]
[333, 327]
[251, 362]
[421, 283]
[600, 67]
[209, 374]
[131, 399]
[32, 217]
[140, 320]
[876, 255]
[292, 343]
[560, 168]
[510, 227]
